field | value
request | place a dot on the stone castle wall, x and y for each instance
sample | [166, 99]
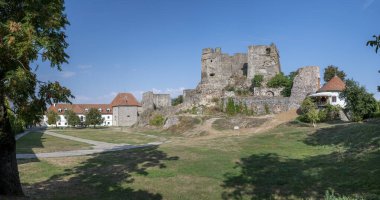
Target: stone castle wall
[257, 104]
[153, 101]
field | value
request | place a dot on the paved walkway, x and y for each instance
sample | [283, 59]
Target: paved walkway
[98, 147]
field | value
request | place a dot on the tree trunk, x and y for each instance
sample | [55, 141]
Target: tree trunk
[9, 177]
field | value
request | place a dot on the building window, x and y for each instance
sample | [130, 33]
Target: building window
[86, 109]
[334, 99]
[128, 116]
[59, 110]
[108, 123]
[65, 123]
[108, 110]
[100, 110]
[59, 123]
[108, 117]
[81, 118]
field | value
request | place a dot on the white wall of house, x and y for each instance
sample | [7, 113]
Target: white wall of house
[62, 122]
[335, 100]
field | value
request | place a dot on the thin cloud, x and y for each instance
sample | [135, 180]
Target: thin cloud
[85, 66]
[367, 4]
[68, 74]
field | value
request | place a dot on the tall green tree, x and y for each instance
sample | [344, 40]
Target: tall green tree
[30, 31]
[359, 103]
[52, 118]
[375, 43]
[94, 117]
[72, 118]
[331, 71]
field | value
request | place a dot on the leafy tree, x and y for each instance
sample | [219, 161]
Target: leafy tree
[177, 101]
[375, 42]
[313, 116]
[53, 117]
[279, 80]
[94, 117]
[359, 102]
[286, 92]
[30, 31]
[331, 71]
[72, 118]
[257, 80]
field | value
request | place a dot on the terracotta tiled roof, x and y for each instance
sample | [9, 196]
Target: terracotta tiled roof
[81, 108]
[335, 84]
[125, 99]
[121, 99]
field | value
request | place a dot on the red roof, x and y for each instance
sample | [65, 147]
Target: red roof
[81, 108]
[125, 99]
[335, 84]
[121, 99]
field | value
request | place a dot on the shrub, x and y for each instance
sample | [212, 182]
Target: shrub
[230, 108]
[266, 107]
[359, 103]
[332, 196]
[230, 88]
[332, 112]
[242, 92]
[16, 124]
[279, 80]
[307, 105]
[177, 101]
[323, 115]
[257, 80]
[157, 120]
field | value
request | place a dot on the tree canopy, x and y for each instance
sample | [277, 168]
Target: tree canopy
[359, 103]
[31, 31]
[53, 117]
[72, 118]
[94, 117]
[331, 71]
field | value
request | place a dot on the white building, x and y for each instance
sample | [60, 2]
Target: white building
[329, 93]
[122, 111]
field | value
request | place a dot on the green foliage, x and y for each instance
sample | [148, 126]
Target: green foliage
[375, 42]
[230, 88]
[307, 105]
[177, 101]
[242, 92]
[230, 108]
[332, 112]
[331, 71]
[72, 118]
[157, 120]
[333, 196]
[257, 80]
[17, 124]
[266, 107]
[52, 117]
[359, 103]
[94, 117]
[279, 80]
[313, 116]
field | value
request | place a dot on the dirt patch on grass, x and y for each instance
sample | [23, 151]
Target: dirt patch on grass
[241, 122]
[185, 123]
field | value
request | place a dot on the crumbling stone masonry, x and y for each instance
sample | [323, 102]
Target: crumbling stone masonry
[154, 101]
[220, 70]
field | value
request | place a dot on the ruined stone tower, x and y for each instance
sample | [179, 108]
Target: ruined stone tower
[263, 60]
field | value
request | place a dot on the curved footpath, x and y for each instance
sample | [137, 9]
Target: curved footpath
[99, 147]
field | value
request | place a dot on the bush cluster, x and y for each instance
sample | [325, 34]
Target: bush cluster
[157, 120]
[311, 114]
[280, 80]
[238, 108]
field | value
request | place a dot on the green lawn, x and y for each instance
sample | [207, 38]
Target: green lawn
[289, 162]
[37, 142]
[108, 135]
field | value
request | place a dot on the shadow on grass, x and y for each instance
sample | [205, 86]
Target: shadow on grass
[353, 171]
[104, 176]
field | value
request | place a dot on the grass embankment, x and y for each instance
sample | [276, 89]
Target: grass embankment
[37, 142]
[108, 135]
[288, 162]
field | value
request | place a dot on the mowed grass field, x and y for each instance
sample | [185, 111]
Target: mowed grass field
[37, 142]
[110, 135]
[292, 161]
